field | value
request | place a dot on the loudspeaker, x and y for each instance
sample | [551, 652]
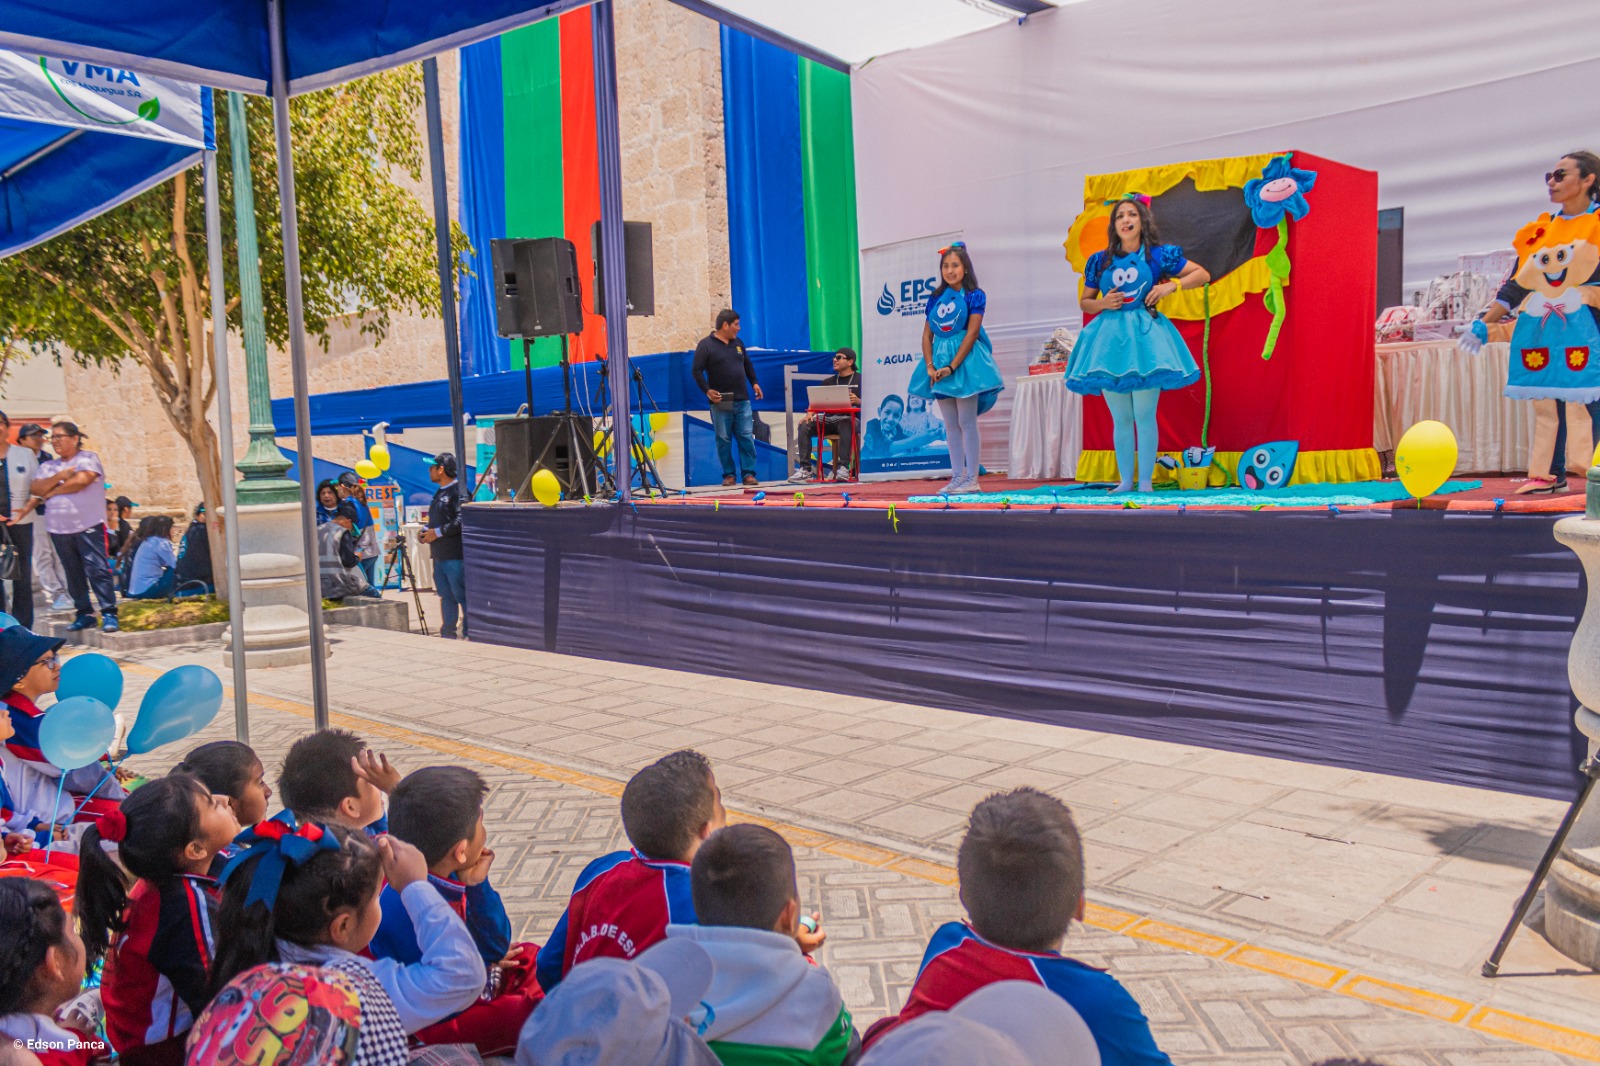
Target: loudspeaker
[521, 444]
[537, 292]
[639, 252]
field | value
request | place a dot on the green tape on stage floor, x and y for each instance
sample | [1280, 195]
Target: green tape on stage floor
[1353, 494]
[530, 65]
[828, 174]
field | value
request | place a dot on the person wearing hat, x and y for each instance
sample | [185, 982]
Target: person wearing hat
[29, 668]
[616, 1012]
[195, 575]
[73, 489]
[352, 488]
[27, 519]
[336, 556]
[443, 538]
[1008, 1023]
[118, 528]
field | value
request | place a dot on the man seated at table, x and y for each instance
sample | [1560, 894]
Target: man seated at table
[840, 426]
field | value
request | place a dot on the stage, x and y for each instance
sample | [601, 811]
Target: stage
[1424, 641]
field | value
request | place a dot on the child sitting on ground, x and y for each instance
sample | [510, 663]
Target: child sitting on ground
[1021, 871]
[309, 895]
[623, 902]
[22, 828]
[768, 1003]
[439, 810]
[41, 970]
[332, 776]
[234, 771]
[157, 938]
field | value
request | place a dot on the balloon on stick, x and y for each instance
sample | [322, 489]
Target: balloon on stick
[179, 702]
[1425, 457]
[379, 457]
[658, 449]
[546, 489]
[367, 469]
[658, 421]
[91, 674]
[76, 731]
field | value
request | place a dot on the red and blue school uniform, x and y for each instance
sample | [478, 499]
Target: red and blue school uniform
[493, 1023]
[156, 976]
[622, 904]
[958, 962]
[35, 779]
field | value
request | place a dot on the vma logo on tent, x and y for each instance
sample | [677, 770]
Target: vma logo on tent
[106, 81]
[913, 297]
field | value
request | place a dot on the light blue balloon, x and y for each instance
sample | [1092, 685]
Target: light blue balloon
[94, 675]
[181, 701]
[77, 731]
[6, 621]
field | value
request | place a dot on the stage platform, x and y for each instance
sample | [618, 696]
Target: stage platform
[1428, 642]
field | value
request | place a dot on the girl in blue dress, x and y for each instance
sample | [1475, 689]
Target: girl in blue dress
[1130, 351]
[958, 368]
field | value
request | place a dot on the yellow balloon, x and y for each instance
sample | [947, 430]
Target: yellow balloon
[380, 457]
[1425, 457]
[658, 449]
[366, 469]
[602, 443]
[546, 489]
[658, 422]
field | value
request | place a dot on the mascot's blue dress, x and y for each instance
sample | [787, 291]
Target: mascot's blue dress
[1134, 347]
[977, 375]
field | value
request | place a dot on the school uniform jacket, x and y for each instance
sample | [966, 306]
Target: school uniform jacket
[479, 906]
[155, 981]
[622, 904]
[958, 962]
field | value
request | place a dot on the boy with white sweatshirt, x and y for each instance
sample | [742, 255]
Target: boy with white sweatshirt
[768, 1003]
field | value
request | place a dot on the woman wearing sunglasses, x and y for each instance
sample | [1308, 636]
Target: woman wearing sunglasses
[1555, 346]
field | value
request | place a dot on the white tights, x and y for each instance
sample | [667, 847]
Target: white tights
[961, 433]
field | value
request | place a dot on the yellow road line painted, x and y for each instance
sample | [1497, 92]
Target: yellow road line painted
[1490, 1021]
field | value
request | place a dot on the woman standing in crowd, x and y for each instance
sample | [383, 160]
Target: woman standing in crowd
[1130, 351]
[21, 468]
[72, 487]
[957, 367]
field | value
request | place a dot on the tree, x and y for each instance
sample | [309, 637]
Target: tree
[132, 284]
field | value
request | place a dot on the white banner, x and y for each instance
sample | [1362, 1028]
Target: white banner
[69, 92]
[902, 436]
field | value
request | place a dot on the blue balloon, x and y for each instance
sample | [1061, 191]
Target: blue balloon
[77, 731]
[181, 701]
[6, 621]
[94, 675]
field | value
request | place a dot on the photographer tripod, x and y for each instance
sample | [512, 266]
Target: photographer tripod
[399, 556]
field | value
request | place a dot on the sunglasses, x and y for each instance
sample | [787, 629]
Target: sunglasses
[1558, 174]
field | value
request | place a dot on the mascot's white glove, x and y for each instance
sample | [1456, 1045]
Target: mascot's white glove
[1473, 338]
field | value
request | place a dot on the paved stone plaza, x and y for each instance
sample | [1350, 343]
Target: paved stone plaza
[1261, 911]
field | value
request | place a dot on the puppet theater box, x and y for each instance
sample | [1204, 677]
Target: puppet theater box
[1283, 334]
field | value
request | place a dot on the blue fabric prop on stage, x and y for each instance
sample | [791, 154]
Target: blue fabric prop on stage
[1349, 494]
[766, 196]
[1424, 643]
[482, 205]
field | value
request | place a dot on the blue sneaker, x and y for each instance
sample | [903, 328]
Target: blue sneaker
[86, 622]
[108, 624]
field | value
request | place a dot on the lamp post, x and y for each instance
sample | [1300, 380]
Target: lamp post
[271, 565]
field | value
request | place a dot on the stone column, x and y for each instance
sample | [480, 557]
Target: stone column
[1572, 893]
[271, 570]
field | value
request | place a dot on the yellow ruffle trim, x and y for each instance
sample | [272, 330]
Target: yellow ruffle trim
[1311, 468]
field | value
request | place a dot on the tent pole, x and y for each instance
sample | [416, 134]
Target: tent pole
[608, 139]
[230, 495]
[297, 360]
[447, 286]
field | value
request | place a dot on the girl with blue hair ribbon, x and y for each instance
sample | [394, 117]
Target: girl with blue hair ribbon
[1129, 352]
[958, 368]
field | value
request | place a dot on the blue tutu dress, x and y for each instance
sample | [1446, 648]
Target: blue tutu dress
[977, 375]
[1131, 348]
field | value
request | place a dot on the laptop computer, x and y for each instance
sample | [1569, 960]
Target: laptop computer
[828, 395]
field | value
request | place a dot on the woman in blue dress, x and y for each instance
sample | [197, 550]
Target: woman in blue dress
[1130, 351]
[958, 368]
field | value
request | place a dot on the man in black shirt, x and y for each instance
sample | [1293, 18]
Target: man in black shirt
[722, 369]
[443, 538]
[842, 426]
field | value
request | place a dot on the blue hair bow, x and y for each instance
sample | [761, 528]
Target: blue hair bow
[279, 843]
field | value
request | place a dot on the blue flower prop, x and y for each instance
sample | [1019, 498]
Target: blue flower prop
[1281, 189]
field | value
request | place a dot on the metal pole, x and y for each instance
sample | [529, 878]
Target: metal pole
[608, 146]
[447, 281]
[230, 496]
[297, 360]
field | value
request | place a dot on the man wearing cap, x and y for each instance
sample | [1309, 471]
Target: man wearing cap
[443, 538]
[27, 517]
[352, 488]
[337, 562]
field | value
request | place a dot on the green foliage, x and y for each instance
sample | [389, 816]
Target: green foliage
[140, 616]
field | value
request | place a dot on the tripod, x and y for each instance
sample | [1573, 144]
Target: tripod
[578, 472]
[645, 461]
[1591, 773]
[398, 556]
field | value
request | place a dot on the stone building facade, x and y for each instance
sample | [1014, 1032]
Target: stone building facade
[670, 97]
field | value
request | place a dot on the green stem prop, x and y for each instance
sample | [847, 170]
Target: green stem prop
[1205, 362]
[1278, 265]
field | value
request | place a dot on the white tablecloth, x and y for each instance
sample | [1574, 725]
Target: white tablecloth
[1435, 379]
[1046, 428]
